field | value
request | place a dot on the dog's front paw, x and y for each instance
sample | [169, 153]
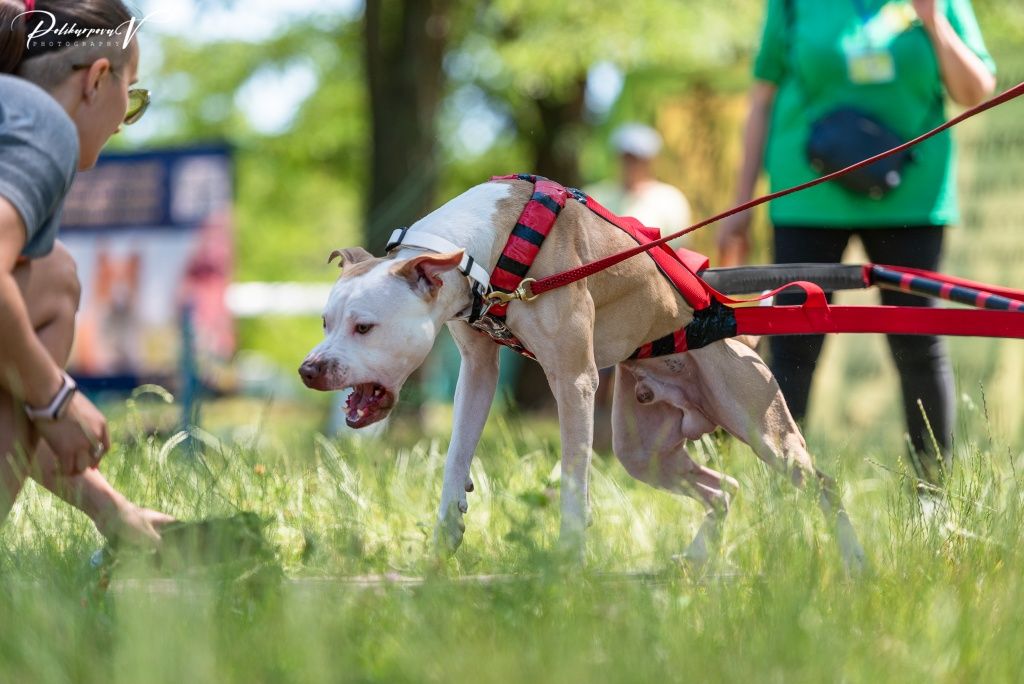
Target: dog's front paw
[697, 558]
[855, 563]
[572, 545]
[450, 530]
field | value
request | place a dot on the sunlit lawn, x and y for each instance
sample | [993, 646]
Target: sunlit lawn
[940, 603]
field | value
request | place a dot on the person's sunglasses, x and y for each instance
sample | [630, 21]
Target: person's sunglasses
[138, 103]
[138, 100]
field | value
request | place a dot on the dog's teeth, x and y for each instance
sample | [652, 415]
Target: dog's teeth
[360, 413]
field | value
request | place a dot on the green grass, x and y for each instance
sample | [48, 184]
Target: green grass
[941, 602]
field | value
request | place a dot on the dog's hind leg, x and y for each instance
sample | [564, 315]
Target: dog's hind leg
[478, 380]
[741, 395]
[650, 441]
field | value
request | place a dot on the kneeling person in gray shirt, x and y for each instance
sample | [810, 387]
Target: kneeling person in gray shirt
[59, 104]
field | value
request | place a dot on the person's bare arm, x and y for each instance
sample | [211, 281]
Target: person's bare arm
[79, 437]
[734, 232]
[26, 371]
[968, 81]
[115, 516]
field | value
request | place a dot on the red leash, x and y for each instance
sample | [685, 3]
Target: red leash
[900, 320]
[530, 288]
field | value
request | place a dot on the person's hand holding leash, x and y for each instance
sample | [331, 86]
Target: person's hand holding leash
[733, 238]
[733, 233]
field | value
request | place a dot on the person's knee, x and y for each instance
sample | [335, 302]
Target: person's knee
[63, 276]
[53, 291]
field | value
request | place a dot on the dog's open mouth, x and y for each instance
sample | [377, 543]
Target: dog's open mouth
[367, 404]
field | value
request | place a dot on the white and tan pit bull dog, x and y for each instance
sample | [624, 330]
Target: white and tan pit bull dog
[383, 315]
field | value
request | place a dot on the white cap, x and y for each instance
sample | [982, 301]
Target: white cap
[637, 139]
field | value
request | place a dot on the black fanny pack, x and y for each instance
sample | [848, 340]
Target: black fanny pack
[846, 136]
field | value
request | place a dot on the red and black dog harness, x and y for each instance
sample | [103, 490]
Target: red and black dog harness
[715, 316]
[712, 320]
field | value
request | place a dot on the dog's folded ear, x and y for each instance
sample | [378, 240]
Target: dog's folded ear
[423, 273]
[349, 256]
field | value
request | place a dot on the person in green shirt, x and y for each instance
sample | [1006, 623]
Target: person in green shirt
[897, 61]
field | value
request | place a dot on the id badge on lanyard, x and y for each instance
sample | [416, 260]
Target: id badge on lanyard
[867, 63]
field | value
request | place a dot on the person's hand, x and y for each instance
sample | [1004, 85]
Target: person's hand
[79, 438]
[733, 237]
[135, 525]
[927, 12]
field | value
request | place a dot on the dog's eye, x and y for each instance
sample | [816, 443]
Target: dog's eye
[323, 319]
[363, 328]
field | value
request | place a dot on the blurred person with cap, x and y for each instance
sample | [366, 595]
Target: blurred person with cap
[637, 192]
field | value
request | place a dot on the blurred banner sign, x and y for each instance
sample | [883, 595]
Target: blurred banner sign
[152, 235]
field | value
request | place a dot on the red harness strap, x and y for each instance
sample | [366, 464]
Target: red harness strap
[712, 321]
[718, 320]
[532, 226]
[679, 266]
[523, 245]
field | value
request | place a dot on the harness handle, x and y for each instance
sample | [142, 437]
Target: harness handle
[557, 280]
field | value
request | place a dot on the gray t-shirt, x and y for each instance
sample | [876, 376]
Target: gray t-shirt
[38, 159]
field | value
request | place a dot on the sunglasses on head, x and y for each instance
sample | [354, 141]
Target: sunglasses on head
[138, 100]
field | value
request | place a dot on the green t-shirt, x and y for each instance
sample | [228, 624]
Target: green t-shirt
[808, 62]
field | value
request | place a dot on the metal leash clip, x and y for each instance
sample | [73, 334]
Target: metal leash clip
[523, 293]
